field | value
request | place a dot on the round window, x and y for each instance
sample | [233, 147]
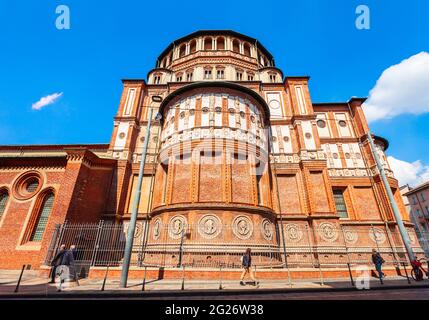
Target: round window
[205, 110]
[27, 185]
[342, 123]
[218, 109]
[286, 139]
[182, 114]
[308, 135]
[242, 114]
[191, 112]
[231, 111]
[335, 155]
[122, 135]
[347, 155]
[253, 119]
[321, 124]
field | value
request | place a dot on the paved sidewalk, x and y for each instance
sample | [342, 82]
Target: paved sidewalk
[34, 286]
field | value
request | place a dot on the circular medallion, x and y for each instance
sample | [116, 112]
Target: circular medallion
[176, 227]
[242, 227]
[328, 232]
[274, 104]
[377, 235]
[267, 229]
[209, 226]
[350, 236]
[294, 232]
[157, 226]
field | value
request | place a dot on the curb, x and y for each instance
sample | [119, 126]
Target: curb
[190, 293]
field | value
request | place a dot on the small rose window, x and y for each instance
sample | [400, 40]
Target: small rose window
[321, 124]
[342, 123]
[27, 185]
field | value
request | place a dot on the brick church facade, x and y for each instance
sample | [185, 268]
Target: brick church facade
[241, 157]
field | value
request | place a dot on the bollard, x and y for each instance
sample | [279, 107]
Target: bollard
[220, 277]
[351, 275]
[322, 283]
[144, 279]
[183, 279]
[20, 278]
[105, 278]
[406, 273]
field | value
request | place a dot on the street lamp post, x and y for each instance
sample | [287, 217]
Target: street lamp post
[134, 212]
[396, 213]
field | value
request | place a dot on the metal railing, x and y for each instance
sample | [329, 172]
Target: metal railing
[103, 244]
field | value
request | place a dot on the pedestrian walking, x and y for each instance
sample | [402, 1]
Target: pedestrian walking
[378, 261]
[57, 262]
[246, 262]
[68, 266]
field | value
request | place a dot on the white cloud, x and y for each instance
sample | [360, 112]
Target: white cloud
[45, 101]
[402, 88]
[412, 173]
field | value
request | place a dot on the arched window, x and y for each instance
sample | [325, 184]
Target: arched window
[208, 42]
[4, 197]
[247, 49]
[220, 43]
[193, 46]
[236, 46]
[182, 50]
[42, 217]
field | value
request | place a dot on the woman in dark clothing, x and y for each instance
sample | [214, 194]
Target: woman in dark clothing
[246, 262]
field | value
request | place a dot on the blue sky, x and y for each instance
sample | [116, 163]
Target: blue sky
[121, 39]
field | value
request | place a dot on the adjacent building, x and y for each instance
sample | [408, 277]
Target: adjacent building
[418, 203]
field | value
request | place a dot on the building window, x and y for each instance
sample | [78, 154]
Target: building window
[189, 76]
[220, 43]
[182, 51]
[208, 43]
[422, 197]
[157, 79]
[273, 78]
[340, 204]
[207, 74]
[246, 48]
[414, 200]
[42, 217]
[321, 124]
[179, 78]
[239, 76]
[235, 46]
[250, 77]
[193, 46]
[4, 197]
[418, 213]
[220, 74]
